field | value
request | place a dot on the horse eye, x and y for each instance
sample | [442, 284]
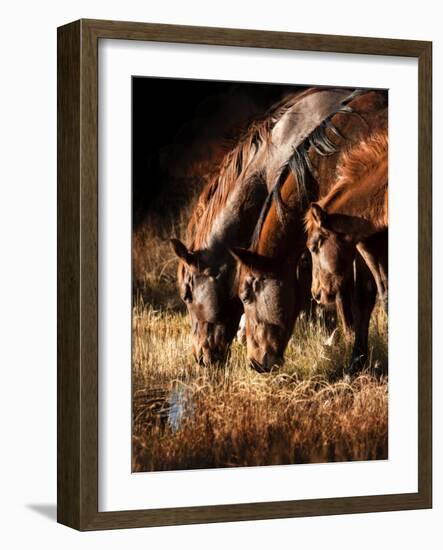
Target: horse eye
[256, 285]
[314, 248]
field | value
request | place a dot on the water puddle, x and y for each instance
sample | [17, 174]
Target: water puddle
[159, 406]
[181, 407]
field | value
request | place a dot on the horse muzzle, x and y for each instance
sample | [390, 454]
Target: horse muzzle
[269, 362]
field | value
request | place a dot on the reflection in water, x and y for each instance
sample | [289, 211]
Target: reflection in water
[180, 406]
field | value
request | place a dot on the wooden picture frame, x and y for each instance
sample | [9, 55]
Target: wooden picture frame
[77, 457]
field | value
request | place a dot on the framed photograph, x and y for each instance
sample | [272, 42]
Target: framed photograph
[232, 205]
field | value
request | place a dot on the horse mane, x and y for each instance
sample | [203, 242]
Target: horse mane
[356, 164]
[232, 170]
[299, 164]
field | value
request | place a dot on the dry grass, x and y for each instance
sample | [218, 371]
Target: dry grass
[154, 263]
[187, 417]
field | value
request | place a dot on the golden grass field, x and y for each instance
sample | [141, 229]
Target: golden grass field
[188, 417]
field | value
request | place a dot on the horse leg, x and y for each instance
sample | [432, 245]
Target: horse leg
[303, 282]
[363, 302]
[374, 251]
[344, 307]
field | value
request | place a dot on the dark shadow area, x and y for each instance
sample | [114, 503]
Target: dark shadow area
[181, 130]
[48, 511]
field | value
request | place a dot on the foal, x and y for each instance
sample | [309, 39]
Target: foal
[348, 224]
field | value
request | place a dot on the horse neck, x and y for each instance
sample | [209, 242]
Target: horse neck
[283, 235]
[234, 224]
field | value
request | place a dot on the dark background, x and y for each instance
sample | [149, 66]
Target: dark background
[181, 131]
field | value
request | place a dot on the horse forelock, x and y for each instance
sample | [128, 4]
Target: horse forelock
[309, 222]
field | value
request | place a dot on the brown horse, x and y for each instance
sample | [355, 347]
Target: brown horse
[352, 218]
[266, 271]
[228, 209]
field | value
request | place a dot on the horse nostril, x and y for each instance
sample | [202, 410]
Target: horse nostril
[255, 365]
[259, 367]
[270, 360]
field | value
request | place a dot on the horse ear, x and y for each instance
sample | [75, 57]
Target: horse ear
[183, 253]
[252, 260]
[318, 215]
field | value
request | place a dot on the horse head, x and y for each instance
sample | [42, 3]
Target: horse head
[268, 291]
[206, 288]
[333, 250]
